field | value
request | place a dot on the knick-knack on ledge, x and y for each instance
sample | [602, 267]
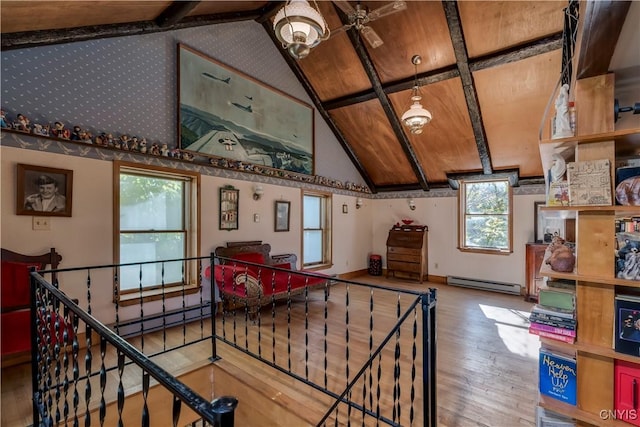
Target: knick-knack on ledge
[561, 121]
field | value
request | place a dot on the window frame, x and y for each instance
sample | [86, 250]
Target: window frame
[191, 227]
[326, 227]
[462, 216]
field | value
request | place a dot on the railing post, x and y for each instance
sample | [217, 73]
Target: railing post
[214, 307]
[34, 349]
[429, 358]
[224, 409]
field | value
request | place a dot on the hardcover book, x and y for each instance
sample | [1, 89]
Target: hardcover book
[548, 418]
[589, 183]
[552, 329]
[627, 324]
[558, 377]
[558, 312]
[557, 298]
[552, 336]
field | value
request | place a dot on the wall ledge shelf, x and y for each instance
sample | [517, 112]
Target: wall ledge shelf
[611, 208]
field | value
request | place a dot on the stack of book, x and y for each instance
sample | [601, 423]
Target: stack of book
[554, 316]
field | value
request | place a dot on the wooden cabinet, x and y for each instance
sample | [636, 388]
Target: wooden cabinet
[534, 280]
[407, 251]
[596, 284]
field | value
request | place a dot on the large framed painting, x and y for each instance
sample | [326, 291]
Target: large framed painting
[225, 113]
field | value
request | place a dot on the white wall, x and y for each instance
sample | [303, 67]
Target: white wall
[441, 215]
[86, 238]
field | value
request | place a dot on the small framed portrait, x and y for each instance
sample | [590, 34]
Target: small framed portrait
[282, 215]
[43, 191]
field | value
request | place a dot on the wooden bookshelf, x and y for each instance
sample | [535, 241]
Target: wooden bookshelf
[594, 274]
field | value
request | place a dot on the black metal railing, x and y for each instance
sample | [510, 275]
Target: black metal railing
[366, 352]
[400, 357]
[83, 372]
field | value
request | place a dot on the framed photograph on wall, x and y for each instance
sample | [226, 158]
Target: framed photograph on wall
[282, 215]
[229, 208]
[225, 113]
[43, 191]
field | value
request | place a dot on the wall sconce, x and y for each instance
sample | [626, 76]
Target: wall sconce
[258, 191]
[412, 204]
[358, 203]
[416, 116]
[300, 27]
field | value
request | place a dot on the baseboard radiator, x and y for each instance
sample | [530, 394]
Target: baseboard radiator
[487, 285]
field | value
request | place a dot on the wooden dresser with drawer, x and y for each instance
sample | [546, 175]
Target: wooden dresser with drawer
[407, 251]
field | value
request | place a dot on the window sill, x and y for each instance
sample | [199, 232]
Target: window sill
[486, 251]
[316, 267]
[134, 298]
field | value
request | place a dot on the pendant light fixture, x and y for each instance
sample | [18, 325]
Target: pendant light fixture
[416, 116]
[300, 27]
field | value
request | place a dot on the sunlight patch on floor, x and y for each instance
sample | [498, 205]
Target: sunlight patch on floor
[513, 329]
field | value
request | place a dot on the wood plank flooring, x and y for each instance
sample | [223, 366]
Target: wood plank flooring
[486, 365]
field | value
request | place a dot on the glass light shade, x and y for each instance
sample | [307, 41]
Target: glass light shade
[299, 27]
[416, 116]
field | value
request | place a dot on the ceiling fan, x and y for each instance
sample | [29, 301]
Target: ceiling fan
[360, 16]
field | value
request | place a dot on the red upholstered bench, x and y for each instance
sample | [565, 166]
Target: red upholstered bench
[274, 278]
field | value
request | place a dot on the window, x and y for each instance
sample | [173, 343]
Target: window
[316, 236]
[485, 216]
[157, 219]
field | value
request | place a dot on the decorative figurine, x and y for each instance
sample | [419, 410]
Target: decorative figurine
[135, 145]
[22, 123]
[3, 120]
[38, 129]
[155, 149]
[59, 131]
[75, 134]
[124, 142]
[86, 137]
[109, 142]
[143, 146]
[562, 123]
[164, 150]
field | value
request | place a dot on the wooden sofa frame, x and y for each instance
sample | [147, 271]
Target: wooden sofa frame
[51, 258]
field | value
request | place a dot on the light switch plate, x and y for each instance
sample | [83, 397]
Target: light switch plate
[41, 223]
[256, 217]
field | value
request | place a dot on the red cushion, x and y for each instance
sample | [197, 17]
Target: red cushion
[15, 331]
[254, 257]
[15, 284]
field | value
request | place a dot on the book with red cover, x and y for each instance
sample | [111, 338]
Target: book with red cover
[553, 329]
[545, 334]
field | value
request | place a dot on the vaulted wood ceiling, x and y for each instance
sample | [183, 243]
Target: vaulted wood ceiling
[488, 71]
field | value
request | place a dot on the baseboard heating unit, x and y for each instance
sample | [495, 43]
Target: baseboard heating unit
[487, 285]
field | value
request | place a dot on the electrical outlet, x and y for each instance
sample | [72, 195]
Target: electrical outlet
[435, 265]
[41, 223]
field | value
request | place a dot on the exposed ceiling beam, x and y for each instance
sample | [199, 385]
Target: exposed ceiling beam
[600, 26]
[470, 94]
[397, 86]
[26, 39]
[318, 103]
[175, 12]
[538, 47]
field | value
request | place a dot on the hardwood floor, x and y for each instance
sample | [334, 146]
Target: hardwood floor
[486, 363]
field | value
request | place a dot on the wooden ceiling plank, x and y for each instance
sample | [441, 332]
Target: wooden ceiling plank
[507, 56]
[600, 26]
[318, 103]
[462, 60]
[175, 12]
[386, 105]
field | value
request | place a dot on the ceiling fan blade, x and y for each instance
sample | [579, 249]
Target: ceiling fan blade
[345, 7]
[340, 30]
[387, 9]
[372, 37]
